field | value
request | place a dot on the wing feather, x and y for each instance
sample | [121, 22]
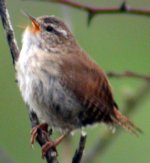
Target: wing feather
[90, 86]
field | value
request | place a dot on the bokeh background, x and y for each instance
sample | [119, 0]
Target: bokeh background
[117, 42]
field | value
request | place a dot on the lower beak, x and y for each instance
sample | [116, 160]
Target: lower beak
[36, 27]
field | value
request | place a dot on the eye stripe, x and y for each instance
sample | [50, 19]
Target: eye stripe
[63, 32]
[52, 28]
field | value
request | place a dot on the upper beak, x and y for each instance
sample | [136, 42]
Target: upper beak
[35, 24]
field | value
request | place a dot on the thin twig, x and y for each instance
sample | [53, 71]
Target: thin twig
[102, 10]
[7, 25]
[79, 152]
[129, 74]
[92, 11]
[51, 155]
[101, 144]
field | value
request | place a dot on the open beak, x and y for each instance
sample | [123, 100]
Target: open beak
[35, 24]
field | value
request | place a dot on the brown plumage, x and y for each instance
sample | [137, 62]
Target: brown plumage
[89, 84]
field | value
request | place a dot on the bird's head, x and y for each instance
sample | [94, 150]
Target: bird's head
[48, 33]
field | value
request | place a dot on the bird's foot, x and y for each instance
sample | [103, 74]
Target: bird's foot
[50, 144]
[34, 131]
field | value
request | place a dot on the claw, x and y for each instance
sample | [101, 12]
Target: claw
[34, 131]
[33, 135]
[50, 144]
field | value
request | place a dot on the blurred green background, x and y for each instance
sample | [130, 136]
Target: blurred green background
[117, 42]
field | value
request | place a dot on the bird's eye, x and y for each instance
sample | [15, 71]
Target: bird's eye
[49, 29]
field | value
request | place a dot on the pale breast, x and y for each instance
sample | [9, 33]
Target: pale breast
[38, 79]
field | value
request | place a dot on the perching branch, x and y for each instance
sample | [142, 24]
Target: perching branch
[129, 74]
[41, 139]
[9, 31]
[79, 152]
[92, 11]
[51, 155]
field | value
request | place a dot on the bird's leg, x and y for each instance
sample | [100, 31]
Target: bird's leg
[51, 144]
[43, 126]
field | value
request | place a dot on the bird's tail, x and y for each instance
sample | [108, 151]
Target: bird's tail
[124, 122]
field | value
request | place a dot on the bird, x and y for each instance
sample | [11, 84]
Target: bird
[60, 82]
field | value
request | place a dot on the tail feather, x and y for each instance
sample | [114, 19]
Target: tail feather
[124, 122]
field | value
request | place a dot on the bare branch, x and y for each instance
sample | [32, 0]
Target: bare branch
[79, 152]
[9, 31]
[129, 74]
[101, 144]
[51, 155]
[92, 11]
[102, 10]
